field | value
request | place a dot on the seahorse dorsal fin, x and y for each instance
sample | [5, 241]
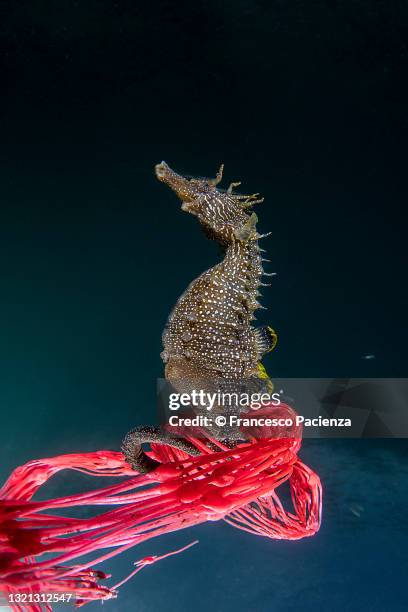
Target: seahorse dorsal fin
[266, 339]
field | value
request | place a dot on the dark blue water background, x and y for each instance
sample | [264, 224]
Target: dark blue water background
[304, 103]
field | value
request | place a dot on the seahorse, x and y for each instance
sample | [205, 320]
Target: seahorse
[209, 334]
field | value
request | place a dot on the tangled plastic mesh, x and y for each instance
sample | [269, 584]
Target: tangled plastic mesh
[237, 485]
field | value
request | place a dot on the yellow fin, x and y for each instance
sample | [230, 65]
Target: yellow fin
[263, 374]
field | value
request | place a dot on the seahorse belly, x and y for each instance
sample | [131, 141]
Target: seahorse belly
[210, 324]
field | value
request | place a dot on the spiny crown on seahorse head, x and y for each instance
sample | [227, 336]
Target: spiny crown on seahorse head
[209, 332]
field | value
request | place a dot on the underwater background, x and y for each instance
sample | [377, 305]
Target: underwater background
[305, 103]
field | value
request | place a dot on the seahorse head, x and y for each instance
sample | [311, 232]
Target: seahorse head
[221, 213]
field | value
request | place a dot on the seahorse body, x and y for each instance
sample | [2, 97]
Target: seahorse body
[208, 337]
[209, 332]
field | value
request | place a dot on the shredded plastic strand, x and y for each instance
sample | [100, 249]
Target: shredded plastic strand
[237, 485]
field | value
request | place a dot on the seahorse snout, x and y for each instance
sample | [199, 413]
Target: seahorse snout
[165, 174]
[180, 185]
[162, 170]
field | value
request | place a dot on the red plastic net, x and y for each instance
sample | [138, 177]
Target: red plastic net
[42, 552]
